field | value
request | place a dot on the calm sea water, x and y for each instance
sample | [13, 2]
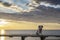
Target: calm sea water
[32, 32]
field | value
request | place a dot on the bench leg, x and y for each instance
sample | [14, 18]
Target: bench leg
[22, 38]
[42, 38]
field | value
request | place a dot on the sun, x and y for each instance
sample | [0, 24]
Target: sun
[3, 22]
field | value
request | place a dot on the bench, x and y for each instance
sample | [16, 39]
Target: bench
[33, 33]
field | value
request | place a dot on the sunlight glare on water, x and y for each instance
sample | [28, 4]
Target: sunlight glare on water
[2, 33]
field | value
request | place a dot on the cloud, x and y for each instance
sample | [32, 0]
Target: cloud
[9, 1]
[46, 11]
[15, 5]
[42, 12]
[49, 3]
[55, 2]
[42, 16]
[6, 4]
[29, 5]
[11, 8]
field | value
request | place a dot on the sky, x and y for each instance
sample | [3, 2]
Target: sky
[16, 5]
[35, 11]
[27, 5]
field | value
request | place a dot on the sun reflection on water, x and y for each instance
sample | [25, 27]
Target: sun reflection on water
[2, 33]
